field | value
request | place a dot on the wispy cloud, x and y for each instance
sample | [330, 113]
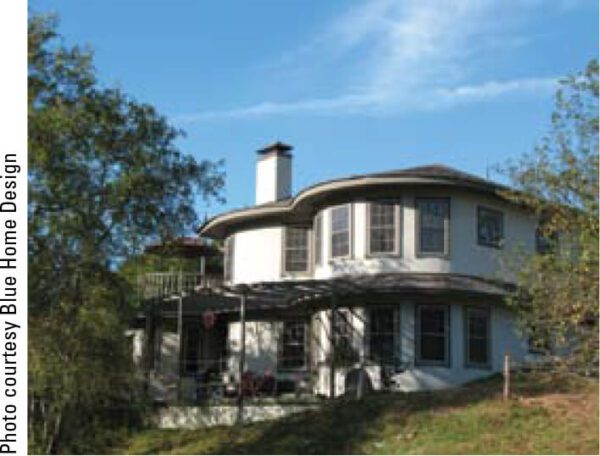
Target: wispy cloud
[403, 56]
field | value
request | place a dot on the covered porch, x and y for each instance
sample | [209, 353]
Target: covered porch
[296, 341]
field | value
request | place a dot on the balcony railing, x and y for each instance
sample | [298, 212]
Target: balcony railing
[167, 284]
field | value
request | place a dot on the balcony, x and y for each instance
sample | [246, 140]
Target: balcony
[160, 285]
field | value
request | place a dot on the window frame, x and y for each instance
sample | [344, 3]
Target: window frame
[419, 361]
[305, 345]
[229, 259]
[468, 363]
[397, 252]
[350, 230]
[418, 225]
[308, 269]
[491, 210]
[396, 335]
[318, 240]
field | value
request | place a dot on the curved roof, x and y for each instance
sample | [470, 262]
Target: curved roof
[301, 208]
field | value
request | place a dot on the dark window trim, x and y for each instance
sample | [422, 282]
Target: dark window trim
[418, 252]
[350, 207]
[397, 332]
[482, 243]
[469, 364]
[398, 234]
[308, 269]
[318, 221]
[229, 259]
[307, 338]
[417, 332]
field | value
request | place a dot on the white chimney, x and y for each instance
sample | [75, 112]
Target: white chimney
[273, 173]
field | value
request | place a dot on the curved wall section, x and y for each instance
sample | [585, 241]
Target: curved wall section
[258, 252]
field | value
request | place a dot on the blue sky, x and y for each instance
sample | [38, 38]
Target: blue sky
[355, 86]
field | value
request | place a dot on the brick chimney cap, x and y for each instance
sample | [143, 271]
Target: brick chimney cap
[277, 147]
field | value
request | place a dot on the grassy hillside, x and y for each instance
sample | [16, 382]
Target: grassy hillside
[546, 415]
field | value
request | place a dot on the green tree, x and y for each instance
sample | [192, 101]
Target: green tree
[105, 176]
[558, 301]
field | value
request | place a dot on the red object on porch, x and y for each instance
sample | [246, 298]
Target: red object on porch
[208, 319]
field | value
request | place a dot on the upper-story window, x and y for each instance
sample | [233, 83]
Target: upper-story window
[296, 249]
[340, 231]
[433, 226]
[383, 228]
[490, 227]
[318, 237]
[228, 258]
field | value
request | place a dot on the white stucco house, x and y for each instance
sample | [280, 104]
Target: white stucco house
[397, 275]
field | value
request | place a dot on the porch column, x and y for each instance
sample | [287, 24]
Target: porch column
[332, 347]
[242, 361]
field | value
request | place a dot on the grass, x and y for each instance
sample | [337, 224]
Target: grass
[547, 414]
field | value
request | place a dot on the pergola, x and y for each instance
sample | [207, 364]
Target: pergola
[311, 295]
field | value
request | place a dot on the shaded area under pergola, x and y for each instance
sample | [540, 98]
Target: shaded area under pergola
[305, 296]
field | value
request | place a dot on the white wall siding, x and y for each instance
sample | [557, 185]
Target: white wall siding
[258, 255]
[258, 252]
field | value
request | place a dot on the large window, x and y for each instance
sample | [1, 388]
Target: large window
[384, 228]
[433, 222]
[343, 331]
[490, 227]
[292, 354]
[228, 258]
[477, 325]
[382, 335]
[296, 250]
[432, 334]
[340, 231]
[318, 231]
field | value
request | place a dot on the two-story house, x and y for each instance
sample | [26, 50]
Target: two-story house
[398, 275]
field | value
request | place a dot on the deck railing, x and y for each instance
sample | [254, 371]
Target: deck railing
[166, 284]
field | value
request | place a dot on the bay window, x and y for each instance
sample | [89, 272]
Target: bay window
[383, 228]
[318, 235]
[340, 231]
[433, 226]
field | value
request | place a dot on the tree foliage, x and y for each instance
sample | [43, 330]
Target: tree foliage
[105, 176]
[558, 302]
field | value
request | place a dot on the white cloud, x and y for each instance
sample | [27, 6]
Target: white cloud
[404, 56]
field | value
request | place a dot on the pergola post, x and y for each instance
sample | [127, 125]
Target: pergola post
[181, 363]
[332, 347]
[240, 415]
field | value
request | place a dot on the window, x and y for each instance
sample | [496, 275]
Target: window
[228, 259]
[490, 227]
[340, 231]
[342, 337]
[293, 345]
[432, 334]
[433, 219]
[384, 228]
[477, 325]
[382, 331]
[318, 230]
[296, 250]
